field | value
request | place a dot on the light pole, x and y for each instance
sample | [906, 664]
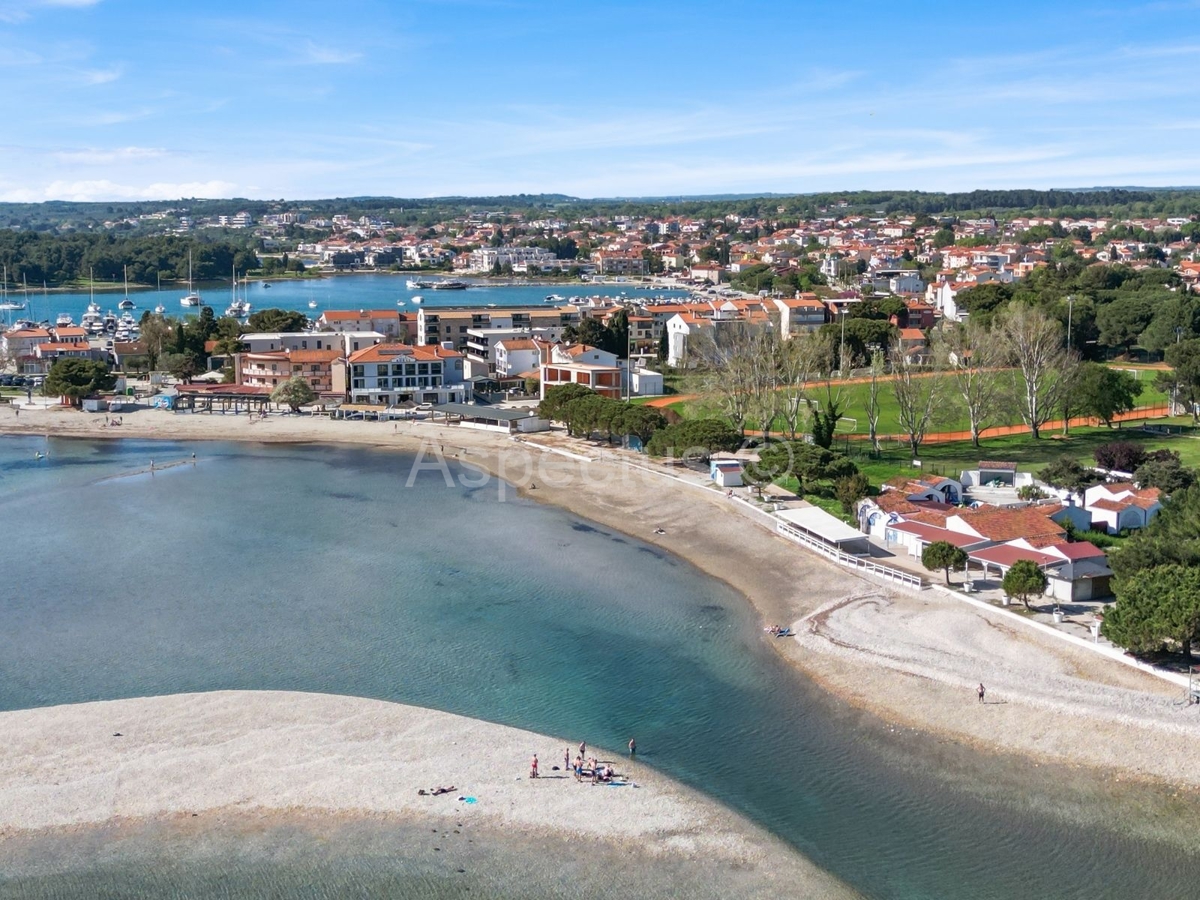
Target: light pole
[1070, 311]
[842, 352]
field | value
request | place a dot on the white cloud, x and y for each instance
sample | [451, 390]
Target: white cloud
[102, 76]
[96, 157]
[103, 189]
[15, 56]
[318, 55]
[20, 10]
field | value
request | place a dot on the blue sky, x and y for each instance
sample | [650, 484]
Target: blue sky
[124, 99]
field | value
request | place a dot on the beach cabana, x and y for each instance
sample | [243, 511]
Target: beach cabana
[817, 524]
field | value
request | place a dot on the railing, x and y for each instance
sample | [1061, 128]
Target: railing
[896, 576]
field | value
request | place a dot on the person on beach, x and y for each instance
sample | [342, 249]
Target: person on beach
[583, 749]
[533, 767]
[567, 759]
[632, 747]
[981, 691]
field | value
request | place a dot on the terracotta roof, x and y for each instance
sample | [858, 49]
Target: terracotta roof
[517, 344]
[932, 533]
[1077, 550]
[1006, 554]
[314, 355]
[1009, 524]
[389, 352]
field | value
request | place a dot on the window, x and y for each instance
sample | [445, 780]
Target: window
[422, 368]
[304, 345]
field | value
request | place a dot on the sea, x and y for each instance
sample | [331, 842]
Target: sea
[309, 568]
[337, 292]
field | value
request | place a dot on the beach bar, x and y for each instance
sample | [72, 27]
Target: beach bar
[491, 418]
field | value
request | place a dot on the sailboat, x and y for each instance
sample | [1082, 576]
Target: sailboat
[193, 296]
[160, 309]
[239, 309]
[92, 320]
[5, 303]
[126, 303]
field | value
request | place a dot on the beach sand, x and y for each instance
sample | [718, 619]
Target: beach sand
[254, 761]
[911, 660]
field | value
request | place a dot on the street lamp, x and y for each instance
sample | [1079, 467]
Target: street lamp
[1070, 310]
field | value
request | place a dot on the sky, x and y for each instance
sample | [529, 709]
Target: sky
[125, 99]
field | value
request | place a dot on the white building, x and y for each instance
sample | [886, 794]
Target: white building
[390, 374]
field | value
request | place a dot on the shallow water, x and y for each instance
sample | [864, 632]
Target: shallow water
[316, 569]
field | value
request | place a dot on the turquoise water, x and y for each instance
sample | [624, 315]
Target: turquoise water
[333, 292]
[315, 569]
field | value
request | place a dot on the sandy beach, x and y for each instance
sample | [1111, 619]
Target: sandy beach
[261, 757]
[911, 660]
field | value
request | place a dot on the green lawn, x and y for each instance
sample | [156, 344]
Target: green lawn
[951, 416]
[1030, 455]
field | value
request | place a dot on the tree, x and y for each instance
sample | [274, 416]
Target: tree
[1173, 537]
[874, 407]
[184, 366]
[919, 394]
[1123, 456]
[157, 334]
[825, 418]
[1184, 360]
[1069, 475]
[695, 439]
[973, 357]
[945, 556]
[557, 397]
[801, 357]
[77, 378]
[642, 421]
[288, 320]
[850, 489]
[1161, 607]
[1166, 473]
[808, 463]
[1034, 346]
[664, 346]
[295, 392]
[728, 360]
[1123, 320]
[1104, 392]
[1024, 580]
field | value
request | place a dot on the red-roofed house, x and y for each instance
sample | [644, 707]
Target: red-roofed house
[389, 374]
[1122, 505]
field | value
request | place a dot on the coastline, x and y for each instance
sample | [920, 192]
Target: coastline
[259, 760]
[909, 660]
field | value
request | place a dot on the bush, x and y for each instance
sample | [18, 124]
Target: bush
[1124, 456]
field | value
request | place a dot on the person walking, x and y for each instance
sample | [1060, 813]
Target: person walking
[981, 691]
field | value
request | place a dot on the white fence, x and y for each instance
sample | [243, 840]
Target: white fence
[866, 566]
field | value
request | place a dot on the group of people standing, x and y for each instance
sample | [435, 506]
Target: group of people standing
[598, 773]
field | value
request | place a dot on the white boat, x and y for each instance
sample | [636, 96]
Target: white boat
[312, 304]
[418, 284]
[126, 304]
[110, 323]
[193, 296]
[64, 320]
[160, 309]
[400, 302]
[237, 308]
[418, 300]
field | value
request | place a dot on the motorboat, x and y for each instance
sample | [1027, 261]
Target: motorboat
[418, 284]
[450, 285]
[312, 304]
[266, 284]
[64, 320]
[160, 309]
[126, 304]
[418, 300]
[109, 323]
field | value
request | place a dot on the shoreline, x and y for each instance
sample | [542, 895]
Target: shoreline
[263, 759]
[908, 660]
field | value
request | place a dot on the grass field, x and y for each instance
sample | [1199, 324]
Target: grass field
[1029, 454]
[952, 416]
